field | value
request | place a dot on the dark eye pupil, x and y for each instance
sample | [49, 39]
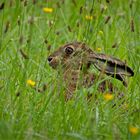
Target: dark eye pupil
[69, 50]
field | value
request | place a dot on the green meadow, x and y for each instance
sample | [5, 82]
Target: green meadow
[32, 105]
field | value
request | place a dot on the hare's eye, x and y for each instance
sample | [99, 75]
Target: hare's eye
[68, 50]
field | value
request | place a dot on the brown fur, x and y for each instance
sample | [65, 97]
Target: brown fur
[74, 60]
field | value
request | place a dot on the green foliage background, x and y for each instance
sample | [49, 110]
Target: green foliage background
[28, 35]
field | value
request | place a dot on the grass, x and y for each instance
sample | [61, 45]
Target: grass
[28, 35]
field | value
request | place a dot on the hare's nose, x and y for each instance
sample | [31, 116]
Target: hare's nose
[50, 59]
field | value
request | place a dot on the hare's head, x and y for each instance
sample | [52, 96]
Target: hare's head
[72, 55]
[76, 55]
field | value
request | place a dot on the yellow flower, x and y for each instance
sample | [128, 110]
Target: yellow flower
[31, 83]
[47, 10]
[98, 49]
[108, 96]
[133, 130]
[100, 33]
[89, 17]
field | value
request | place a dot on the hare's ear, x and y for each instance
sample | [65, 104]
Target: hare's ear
[111, 66]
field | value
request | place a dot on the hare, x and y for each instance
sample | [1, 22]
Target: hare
[74, 60]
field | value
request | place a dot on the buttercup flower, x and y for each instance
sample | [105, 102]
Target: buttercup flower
[88, 17]
[47, 10]
[31, 83]
[98, 49]
[100, 33]
[133, 130]
[108, 96]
